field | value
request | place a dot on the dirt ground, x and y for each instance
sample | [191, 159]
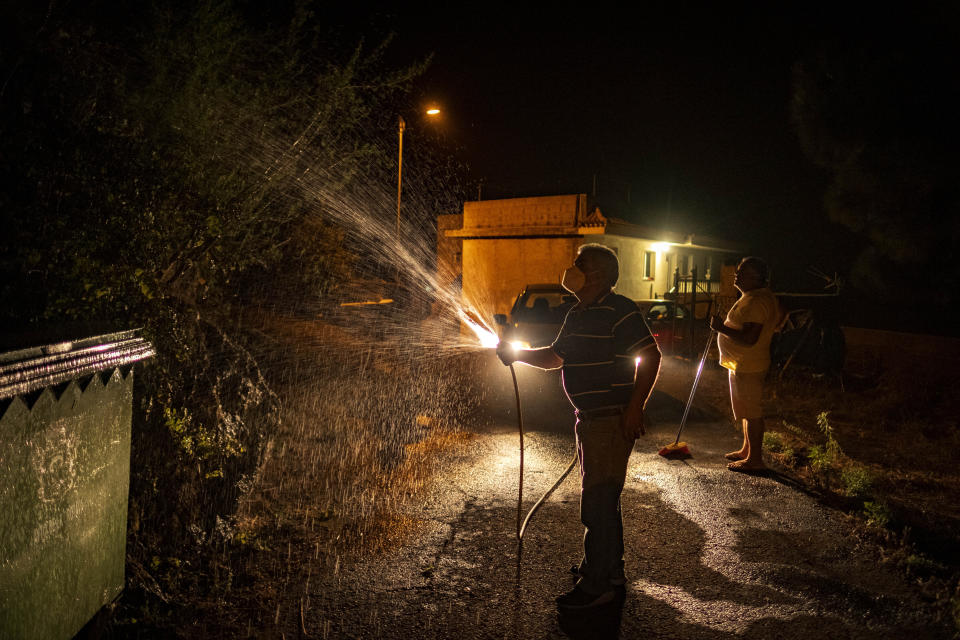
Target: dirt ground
[879, 441]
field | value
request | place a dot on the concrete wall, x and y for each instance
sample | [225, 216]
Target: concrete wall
[496, 269]
[449, 250]
[904, 353]
[631, 251]
[507, 244]
[525, 213]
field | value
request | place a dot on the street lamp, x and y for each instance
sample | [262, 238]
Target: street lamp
[401, 125]
[433, 112]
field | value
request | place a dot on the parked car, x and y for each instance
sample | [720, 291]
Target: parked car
[537, 315]
[669, 323]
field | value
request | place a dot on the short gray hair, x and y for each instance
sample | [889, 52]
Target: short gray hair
[605, 260]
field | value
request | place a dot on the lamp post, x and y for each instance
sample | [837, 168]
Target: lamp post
[401, 125]
[433, 112]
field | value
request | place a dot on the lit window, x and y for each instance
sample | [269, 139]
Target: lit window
[649, 264]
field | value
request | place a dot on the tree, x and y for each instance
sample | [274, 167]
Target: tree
[876, 106]
[164, 163]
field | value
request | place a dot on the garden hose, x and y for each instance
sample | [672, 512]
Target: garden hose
[522, 525]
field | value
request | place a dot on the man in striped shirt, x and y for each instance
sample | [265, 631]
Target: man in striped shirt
[610, 364]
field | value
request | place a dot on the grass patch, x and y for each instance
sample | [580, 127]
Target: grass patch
[920, 565]
[776, 443]
[773, 441]
[857, 481]
[877, 513]
[955, 602]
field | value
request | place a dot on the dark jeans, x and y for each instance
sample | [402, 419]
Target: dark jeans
[603, 452]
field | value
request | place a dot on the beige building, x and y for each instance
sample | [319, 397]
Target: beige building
[499, 246]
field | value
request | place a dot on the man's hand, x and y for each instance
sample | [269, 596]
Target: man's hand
[631, 421]
[506, 353]
[716, 323]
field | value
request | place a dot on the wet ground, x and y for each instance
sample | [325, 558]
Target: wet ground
[709, 553]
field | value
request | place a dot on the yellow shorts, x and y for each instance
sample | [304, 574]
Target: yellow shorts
[746, 392]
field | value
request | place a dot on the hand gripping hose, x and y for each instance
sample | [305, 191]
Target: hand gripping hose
[522, 526]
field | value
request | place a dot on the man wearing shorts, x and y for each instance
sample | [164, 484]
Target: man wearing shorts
[744, 343]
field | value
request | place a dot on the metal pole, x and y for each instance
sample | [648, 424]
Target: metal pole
[693, 309]
[677, 299]
[401, 125]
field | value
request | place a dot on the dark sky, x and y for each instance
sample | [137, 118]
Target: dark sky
[680, 116]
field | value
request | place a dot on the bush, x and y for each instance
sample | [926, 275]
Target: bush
[819, 458]
[878, 513]
[773, 441]
[157, 157]
[857, 481]
[955, 606]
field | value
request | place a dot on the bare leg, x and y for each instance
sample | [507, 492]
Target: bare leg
[753, 429]
[744, 449]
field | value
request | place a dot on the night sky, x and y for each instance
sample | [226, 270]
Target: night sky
[681, 117]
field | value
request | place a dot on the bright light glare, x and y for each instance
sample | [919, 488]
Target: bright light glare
[487, 338]
[433, 111]
[637, 361]
[660, 247]
[517, 345]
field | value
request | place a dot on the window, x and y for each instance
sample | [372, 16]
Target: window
[649, 264]
[658, 312]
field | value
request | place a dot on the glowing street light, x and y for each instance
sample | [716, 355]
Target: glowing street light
[433, 112]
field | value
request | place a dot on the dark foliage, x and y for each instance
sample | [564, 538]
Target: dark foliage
[151, 156]
[876, 106]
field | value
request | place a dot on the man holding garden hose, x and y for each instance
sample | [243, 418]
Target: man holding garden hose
[610, 363]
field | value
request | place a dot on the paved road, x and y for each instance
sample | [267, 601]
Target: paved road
[710, 553]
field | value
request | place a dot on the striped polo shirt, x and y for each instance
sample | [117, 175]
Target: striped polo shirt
[599, 344]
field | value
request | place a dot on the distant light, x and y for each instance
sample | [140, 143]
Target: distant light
[660, 247]
[365, 302]
[637, 361]
[433, 111]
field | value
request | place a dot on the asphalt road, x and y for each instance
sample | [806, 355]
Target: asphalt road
[709, 553]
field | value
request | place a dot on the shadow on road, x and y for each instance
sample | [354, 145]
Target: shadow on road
[600, 623]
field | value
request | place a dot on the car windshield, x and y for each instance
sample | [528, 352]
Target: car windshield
[550, 298]
[544, 306]
[658, 312]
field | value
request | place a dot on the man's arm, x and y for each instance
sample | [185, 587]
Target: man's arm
[647, 371]
[545, 358]
[747, 336]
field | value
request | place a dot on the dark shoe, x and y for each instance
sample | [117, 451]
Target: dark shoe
[617, 581]
[580, 599]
